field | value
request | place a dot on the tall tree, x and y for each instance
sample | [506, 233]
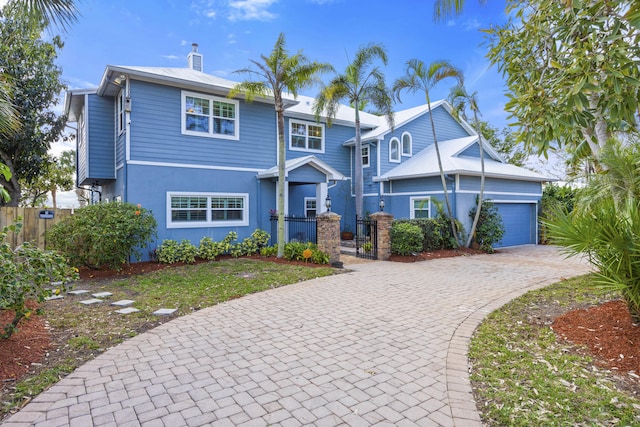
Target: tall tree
[421, 78]
[56, 175]
[461, 100]
[503, 142]
[360, 84]
[29, 62]
[572, 72]
[275, 74]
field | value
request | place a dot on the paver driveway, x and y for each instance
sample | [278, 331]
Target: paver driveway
[385, 344]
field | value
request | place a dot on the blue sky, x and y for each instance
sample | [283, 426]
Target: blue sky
[231, 32]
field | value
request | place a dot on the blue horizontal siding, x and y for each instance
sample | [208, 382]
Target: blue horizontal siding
[156, 132]
[472, 183]
[430, 184]
[306, 173]
[100, 154]
[82, 152]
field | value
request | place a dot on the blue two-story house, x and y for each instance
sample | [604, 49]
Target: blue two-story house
[204, 164]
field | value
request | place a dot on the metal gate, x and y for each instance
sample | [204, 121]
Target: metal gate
[297, 229]
[366, 238]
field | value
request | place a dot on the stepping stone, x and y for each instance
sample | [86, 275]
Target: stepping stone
[91, 301]
[123, 303]
[56, 283]
[127, 310]
[165, 312]
[101, 294]
[54, 297]
[78, 292]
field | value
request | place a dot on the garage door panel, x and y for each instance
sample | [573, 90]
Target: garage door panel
[519, 223]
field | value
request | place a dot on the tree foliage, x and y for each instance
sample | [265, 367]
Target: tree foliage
[572, 70]
[56, 174]
[503, 141]
[29, 63]
[361, 83]
[275, 75]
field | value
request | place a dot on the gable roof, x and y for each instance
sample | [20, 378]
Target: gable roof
[425, 163]
[331, 173]
[345, 115]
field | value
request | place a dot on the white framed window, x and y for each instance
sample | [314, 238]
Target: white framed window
[310, 207]
[185, 210]
[394, 150]
[120, 113]
[406, 144]
[306, 136]
[211, 116]
[365, 156]
[420, 207]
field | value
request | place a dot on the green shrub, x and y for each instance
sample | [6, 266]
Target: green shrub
[436, 232]
[294, 251]
[251, 245]
[187, 252]
[28, 273]
[209, 249]
[490, 228]
[106, 234]
[405, 238]
[269, 251]
[168, 252]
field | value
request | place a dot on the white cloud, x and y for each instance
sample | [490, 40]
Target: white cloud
[210, 14]
[451, 23]
[250, 10]
[183, 42]
[231, 39]
[471, 24]
[171, 57]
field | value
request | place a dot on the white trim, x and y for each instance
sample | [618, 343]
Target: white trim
[208, 222]
[402, 154]
[305, 206]
[121, 113]
[307, 124]
[367, 146]
[120, 166]
[391, 160]
[85, 119]
[211, 98]
[514, 201]
[188, 166]
[127, 120]
[417, 193]
[412, 212]
[501, 193]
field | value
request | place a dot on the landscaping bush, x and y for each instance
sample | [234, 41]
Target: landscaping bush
[296, 251]
[436, 232]
[105, 234]
[251, 245]
[170, 251]
[27, 273]
[209, 249]
[406, 238]
[490, 228]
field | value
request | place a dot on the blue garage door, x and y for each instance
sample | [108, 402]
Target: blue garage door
[519, 221]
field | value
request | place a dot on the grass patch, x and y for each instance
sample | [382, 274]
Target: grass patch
[80, 332]
[522, 376]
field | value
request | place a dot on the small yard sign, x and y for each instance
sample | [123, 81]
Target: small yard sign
[46, 214]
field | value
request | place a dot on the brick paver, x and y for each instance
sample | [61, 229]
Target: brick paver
[385, 344]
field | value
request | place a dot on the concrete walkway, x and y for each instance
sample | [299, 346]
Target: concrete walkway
[385, 344]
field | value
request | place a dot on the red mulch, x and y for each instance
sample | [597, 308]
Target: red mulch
[443, 253]
[607, 331]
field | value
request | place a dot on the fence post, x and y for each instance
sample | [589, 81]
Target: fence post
[328, 231]
[383, 221]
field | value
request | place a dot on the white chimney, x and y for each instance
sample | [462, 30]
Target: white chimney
[194, 59]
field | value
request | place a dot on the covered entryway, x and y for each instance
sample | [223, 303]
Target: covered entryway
[520, 223]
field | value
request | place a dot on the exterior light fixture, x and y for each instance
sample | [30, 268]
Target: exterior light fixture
[327, 203]
[381, 205]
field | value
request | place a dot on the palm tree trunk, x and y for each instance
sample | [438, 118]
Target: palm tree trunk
[282, 158]
[476, 217]
[53, 197]
[359, 184]
[442, 177]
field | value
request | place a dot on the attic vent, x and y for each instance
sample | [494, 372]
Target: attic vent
[194, 59]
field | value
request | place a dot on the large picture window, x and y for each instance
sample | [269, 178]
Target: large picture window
[420, 207]
[207, 210]
[306, 136]
[206, 115]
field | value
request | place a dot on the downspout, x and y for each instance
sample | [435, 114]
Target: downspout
[127, 139]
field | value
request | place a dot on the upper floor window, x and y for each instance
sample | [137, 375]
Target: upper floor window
[420, 207]
[207, 210]
[365, 156]
[206, 115]
[306, 136]
[406, 144]
[394, 150]
[120, 113]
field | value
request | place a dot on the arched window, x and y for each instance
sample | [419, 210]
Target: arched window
[406, 144]
[394, 150]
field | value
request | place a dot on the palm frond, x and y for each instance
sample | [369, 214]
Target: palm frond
[61, 13]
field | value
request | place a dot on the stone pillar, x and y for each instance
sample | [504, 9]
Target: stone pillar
[383, 221]
[328, 231]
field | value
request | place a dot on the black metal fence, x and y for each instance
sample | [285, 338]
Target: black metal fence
[366, 238]
[297, 229]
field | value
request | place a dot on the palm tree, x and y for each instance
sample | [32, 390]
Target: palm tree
[275, 74]
[420, 78]
[360, 84]
[460, 99]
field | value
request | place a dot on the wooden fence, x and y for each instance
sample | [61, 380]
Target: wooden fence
[35, 222]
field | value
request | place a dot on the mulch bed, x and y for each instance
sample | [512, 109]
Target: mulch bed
[444, 253]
